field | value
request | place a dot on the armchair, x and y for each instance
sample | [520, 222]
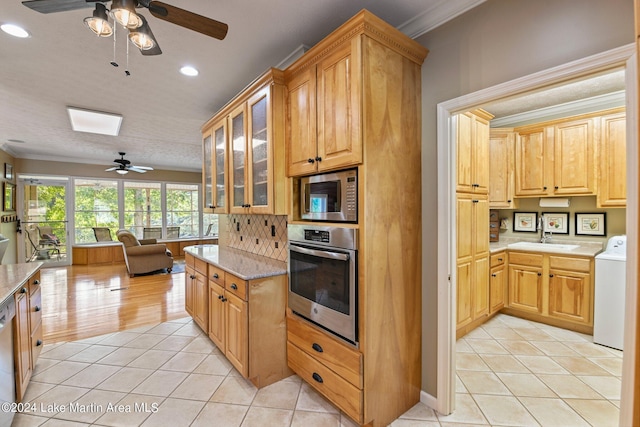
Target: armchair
[144, 256]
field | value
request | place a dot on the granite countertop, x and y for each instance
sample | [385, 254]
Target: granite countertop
[585, 248]
[243, 264]
[14, 276]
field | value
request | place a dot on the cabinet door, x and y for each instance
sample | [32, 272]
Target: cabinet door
[338, 103]
[207, 168]
[612, 176]
[480, 229]
[525, 288]
[501, 146]
[497, 288]
[22, 343]
[189, 277]
[237, 320]
[480, 155]
[481, 286]
[570, 295]
[464, 293]
[217, 318]
[464, 152]
[201, 301]
[574, 160]
[220, 167]
[260, 163]
[238, 158]
[532, 175]
[301, 117]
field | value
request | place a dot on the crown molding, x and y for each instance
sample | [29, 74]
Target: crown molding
[436, 15]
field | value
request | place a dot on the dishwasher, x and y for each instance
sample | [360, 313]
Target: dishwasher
[7, 375]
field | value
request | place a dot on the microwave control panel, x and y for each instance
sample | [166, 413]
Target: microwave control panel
[352, 198]
[317, 236]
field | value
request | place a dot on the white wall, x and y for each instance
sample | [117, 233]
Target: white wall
[496, 42]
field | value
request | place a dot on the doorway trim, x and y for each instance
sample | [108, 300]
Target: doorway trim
[446, 282]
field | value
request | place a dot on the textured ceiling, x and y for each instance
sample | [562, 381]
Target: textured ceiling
[63, 64]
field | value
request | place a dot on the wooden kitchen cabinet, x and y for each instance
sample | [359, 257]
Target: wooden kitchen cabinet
[570, 289]
[525, 282]
[472, 144]
[215, 167]
[498, 281]
[501, 169]
[612, 153]
[197, 291]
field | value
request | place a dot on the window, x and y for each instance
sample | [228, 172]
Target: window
[183, 217]
[96, 205]
[143, 208]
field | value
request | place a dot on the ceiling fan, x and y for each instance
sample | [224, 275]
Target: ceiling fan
[123, 166]
[123, 12]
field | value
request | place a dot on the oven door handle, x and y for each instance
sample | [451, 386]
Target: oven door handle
[321, 254]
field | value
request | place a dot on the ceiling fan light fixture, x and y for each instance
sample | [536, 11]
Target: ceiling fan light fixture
[124, 12]
[141, 37]
[122, 171]
[99, 22]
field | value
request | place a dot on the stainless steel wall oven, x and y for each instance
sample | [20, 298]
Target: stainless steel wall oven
[323, 277]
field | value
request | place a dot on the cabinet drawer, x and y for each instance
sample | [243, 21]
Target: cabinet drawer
[36, 344]
[235, 285]
[328, 383]
[36, 309]
[568, 263]
[341, 359]
[216, 275]
[34, 283]
[200, 266]
[189, 260]
[498, 259]
[533, 260]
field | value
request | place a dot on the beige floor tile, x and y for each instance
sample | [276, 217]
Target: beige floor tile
[47, 403]
[90, 406]
[420, 411]
[503, 334]
[52, 422]
[462, 346]
[160, 383]
[189, 330]
[525, 385]
[486, 346]
[588, 349]
[616, 403]
[504, 411]
[579, 366]
[60, 372]
[184, 362]
[125, 380]
[120, 338]
[478, 333]
[345, 421]
[93, 353]
[166, 328]
[315, 419]
[516, 322]
[566, 335]
[466, 412]
[145, 341]
[214, 365]
[554, 348]
[122, 356]
[174, 413]
[552, 412]
[470, 362]
[609, 387]
[28, 420]
[36, 389]
[235, 390]
[541, 365]
[48, 347]
[533, 334]
[92, 375]
[280, 395]
[43, 364]
[401, 422]
[200, 345]
[568, 387]
[224, 414]
[141, 329]
[260, 417]
[131, 411]
[460, 388]
[599, 413]
[65, 350]
[152, 359]
[310, 400]
[198, 387]
[503, 363]
[613, 365]
[519, 347]
[174, 343]
[483, 382]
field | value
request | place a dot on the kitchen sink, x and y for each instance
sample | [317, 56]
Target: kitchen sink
[547, 247]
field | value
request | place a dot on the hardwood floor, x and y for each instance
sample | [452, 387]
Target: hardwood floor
[83, 301]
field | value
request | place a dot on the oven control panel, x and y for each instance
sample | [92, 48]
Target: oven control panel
[317, 236]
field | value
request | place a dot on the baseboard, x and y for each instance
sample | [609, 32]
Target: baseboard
[429, 400]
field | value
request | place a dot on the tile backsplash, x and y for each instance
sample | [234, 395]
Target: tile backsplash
[264, 235]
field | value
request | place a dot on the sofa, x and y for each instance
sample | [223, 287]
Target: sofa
[144, 256]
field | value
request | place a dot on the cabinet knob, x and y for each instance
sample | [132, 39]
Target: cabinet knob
[556, 187]
[317, 377]
[215, 276]
[192, 276]
[220, 296]
[475, 201]
[499, 259]
[37, 308]
[310, 160]
[544, 188]
[318, 159]
[317, 347]
[551, 275]
[509, 201]
[493, 275]
[539, 274]
[23, 290]
[234, 286]
[224, 299]
[38, 343]
[211, 206]
[36, 282]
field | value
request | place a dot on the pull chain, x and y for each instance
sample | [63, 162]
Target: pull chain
[126, 71]
[114, 63]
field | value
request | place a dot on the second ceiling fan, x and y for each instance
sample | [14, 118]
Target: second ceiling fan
[124, 12]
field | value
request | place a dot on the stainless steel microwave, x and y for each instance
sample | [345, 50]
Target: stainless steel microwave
[330, 196]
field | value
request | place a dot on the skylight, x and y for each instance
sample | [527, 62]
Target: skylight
[94, 121]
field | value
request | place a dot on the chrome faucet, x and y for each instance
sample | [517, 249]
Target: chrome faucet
[544, 237]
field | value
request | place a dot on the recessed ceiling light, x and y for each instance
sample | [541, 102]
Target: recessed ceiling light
[188, 70]
[94, 121]
[15, 30]
[16, 141]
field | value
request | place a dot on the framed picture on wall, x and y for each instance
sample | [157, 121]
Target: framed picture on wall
[591, 224]
[9, 197]
[525, 221]
[556, 222]
[8, 171]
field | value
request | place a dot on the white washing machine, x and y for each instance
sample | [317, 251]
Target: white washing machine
[608, 316]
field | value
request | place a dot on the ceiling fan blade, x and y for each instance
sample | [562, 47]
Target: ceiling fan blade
[190, 20]
[147, 168]
[155, 50]
[136, 169]
[111, 169]
[52, 6]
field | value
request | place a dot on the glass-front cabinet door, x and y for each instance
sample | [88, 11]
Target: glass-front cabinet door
[238, 173]
[219, 167]
[207, 167]
[259, 152]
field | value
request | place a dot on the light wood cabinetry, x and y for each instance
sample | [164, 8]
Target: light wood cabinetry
[473, 152]
[498, 281]
[27, 337]
[249, 130]
[354, 99]
[612, 153]
[197, 291]
[324, 111]
[501, 169]
[553, 289]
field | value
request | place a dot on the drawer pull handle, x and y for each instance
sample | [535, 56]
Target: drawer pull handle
[234, 286]
[317, 347]
[215, 276]
[38, 308]
[36, 282]
[224, 299]
[192, 276]
[551, 275]
[493, 275]
[38, 343]
[539, 274]
[317, 377]
[500, 259]
[220, 296]
[23, 290]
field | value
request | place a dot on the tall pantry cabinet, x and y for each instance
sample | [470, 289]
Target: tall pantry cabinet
[354, 100]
